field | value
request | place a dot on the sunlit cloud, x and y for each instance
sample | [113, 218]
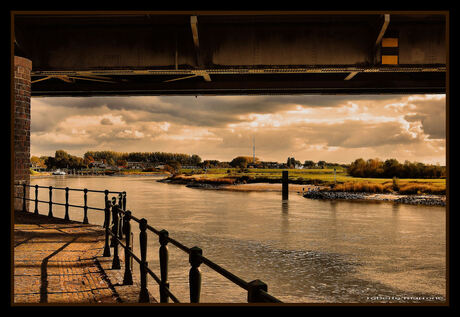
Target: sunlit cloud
[333, 128]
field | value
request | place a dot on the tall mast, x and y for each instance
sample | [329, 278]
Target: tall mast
[253, 149]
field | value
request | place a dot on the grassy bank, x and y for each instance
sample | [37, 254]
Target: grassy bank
[325, 177]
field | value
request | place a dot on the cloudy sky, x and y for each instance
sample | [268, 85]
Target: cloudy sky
[333, 128]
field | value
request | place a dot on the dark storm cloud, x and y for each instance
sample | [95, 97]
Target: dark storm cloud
[212, 111]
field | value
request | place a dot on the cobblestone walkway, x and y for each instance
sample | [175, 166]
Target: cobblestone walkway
[60, 262]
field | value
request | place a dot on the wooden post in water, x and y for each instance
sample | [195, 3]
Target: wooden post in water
[285, 189]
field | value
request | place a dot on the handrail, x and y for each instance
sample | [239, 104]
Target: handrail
[66, 204]
[121, 231]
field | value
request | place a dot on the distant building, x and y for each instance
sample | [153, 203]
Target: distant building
[98, 164]
[135, 165]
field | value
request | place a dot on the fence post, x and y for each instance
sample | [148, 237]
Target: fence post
[24, 208]
[50, 212]
[254, 291]
[120, 219]
[164, 257]
[85, 207]
[107, 228]
[116, 259]
[36, 200]
[144, 293]
[66, 217]
[124, 200]
[128, 277]
[106, 199]
[112, 240]
[195, 274]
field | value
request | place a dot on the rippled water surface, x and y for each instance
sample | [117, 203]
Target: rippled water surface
[305, 250]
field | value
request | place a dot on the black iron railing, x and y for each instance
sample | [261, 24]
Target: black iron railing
[67, 206]
[119, 234]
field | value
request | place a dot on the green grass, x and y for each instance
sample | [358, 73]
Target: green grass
[304, 175]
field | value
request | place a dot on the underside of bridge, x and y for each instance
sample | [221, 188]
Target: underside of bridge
[195, 53]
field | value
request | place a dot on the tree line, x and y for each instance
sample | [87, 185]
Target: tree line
[62, 159]
[112, 158]
[390, 168]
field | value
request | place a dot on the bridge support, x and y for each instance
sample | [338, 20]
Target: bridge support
[21, 131]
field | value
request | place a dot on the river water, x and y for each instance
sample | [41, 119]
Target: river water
[306, 251]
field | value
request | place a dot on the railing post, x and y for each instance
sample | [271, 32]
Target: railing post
[36, 200]
[107, 228]
[195, 274]
[50, 212]
[85, 207]
[124, 200]
[254, 291]
[164, 258]
[106, 199]
[128, 277]
[120, 219]
[144, 293]
[66, 217]
[24, 206]
[112, 240]
[116, 259]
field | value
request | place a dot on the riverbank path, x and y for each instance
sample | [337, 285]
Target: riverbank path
[58, 261]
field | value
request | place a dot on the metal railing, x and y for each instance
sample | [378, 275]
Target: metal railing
[67, 206]
[120, 235]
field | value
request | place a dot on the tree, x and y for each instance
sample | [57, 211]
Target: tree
[309, 164]
[195, 160]
[175, 165]
[38, 161]
[322, 164]
[243, 161]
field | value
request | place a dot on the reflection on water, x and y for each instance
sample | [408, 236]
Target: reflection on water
[305, 250]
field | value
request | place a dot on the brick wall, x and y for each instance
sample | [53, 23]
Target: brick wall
[21, 112]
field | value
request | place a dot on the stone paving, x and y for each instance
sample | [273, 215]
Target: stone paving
[57, 261]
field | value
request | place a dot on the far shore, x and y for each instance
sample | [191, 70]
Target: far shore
[47, 174]
[424, 199]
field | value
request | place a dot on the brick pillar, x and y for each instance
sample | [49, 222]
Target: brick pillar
[22, 85]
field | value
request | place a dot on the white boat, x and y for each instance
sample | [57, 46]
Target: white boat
[59, 172]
